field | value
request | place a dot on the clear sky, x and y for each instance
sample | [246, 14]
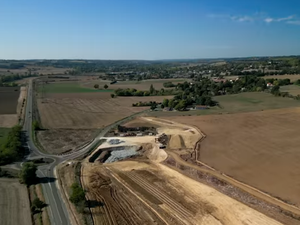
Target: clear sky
[148, 29]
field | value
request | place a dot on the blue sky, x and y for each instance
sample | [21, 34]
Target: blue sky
[148, 29]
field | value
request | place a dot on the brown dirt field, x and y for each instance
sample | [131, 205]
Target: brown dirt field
[184, 161]
[161, 192]
[9, 99]
[87, 110]
[258, 148]
[8, 120]
[11, 105]
[14, 203]
[291, 77]
[57, 141]
[139, 122]
[111, 203]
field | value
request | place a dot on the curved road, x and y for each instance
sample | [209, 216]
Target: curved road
[57, 210]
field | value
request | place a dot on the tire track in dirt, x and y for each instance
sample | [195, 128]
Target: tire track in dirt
[132, 192]
[180, 212]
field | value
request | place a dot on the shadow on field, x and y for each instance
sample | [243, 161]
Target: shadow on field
[94, 203]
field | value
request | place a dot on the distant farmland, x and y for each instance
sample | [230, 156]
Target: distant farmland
[68, 88]
[292, 89]
[243, 102]
[291, 77]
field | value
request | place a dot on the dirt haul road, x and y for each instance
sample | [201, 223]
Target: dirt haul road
[132, 192]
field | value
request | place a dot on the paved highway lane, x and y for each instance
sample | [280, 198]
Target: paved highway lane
[56, 208]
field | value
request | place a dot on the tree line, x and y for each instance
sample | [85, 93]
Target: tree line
[152, 92]
[11, 149]
[143, 104]
[202, 90]
[7, 80]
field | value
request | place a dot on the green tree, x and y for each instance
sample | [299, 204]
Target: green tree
[37, 205]
[165, 102]
[105, 86]
[151, 90]
[36, 125]
[77, 194]
[112, 95]
[181, 105]
[96, 86]
[153, 106]
[28, 173]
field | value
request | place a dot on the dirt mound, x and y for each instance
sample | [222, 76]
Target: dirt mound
[176, 142]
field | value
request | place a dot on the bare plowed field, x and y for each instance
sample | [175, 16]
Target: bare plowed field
[260, 149]
[87, 110]
[145, 193]
[14, 203]
[9, 99]
[57, 141]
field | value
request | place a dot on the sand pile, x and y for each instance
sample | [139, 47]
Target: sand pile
[176, 142]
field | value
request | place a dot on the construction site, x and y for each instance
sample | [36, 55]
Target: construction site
[159, 179]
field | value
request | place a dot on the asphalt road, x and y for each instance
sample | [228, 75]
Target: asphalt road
[57, 210]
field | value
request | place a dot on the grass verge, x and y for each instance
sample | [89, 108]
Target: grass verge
[41, 217]
[3, 134]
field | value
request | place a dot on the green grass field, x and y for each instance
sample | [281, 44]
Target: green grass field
[243, 102]
[292, 89]
[3, 134]
[69, 88]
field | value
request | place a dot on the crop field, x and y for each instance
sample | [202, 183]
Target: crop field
[291, 77]
[87, 110]
[68, 88]
[253, 101]
[139, 85]
[14, 207]
[243, 102]
[260, 149]
[57, 141]
[10, 105]
[9, 99]
[292, 89]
